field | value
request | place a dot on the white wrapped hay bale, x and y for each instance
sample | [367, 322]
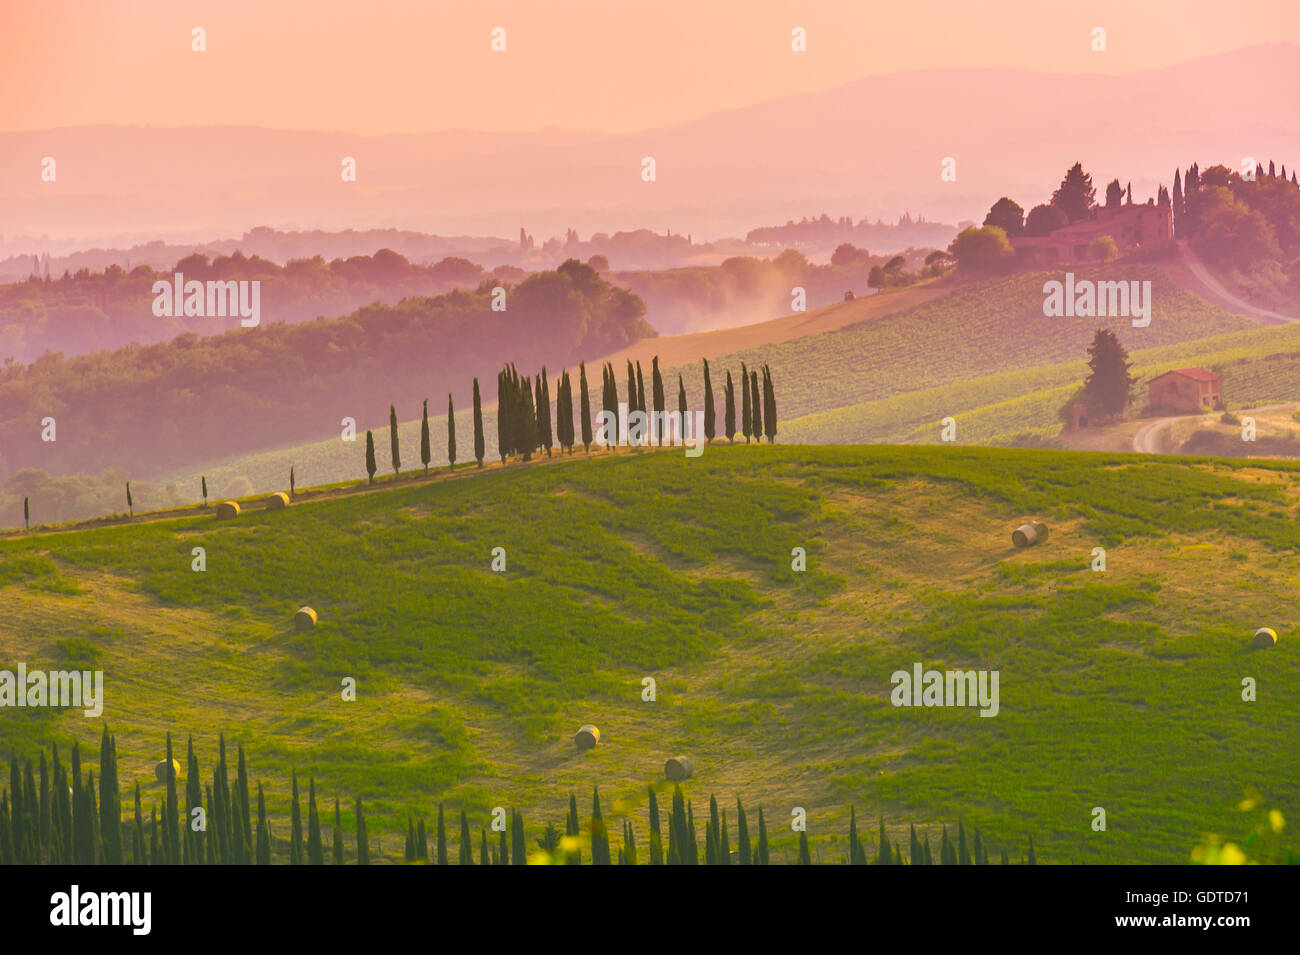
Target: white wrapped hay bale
[1026, 535]
[305, 618]
[678, 768]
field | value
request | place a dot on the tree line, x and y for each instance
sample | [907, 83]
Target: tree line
[50, 815]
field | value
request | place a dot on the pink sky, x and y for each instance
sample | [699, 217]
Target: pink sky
[373, 66]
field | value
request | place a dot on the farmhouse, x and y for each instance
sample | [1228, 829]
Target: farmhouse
[1133, 227]
[1185, 389]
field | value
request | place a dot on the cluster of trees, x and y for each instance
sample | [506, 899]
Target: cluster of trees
[529, 421]
[162, 406]
[85, 311]
[49, 815]
[1246, 226]
[824, 230]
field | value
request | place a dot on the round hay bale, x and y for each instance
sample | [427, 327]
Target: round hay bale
[305, 618]
[587, 737]
[1029, 534]
[1264, 637]
[679, 768]
[160, 771]
[227, 509]
[277, 500]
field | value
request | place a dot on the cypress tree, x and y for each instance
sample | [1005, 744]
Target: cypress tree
[916, 856]
[631, 391]
[804, 857]
[172, 808]
[338, 834]
[263, 851]
[692, 843]
[628, 852]
[755, 407]
[1005, 860]
[743, 854]
[573, 829]
[478, 426]
[724, 845]
[640, 389]
[1033, 859]
[425, 454]
[293, 483]
[137, 837]
[585, 407]
[656, 837]
[769, 405]
[710, 846]
[963, 853]
[599, 835]
[660, 405]
[451, 433]
[710, 413]
[110, 802]
[483, 858]
[241, 782]
[409, 850]
[898, 855]
[130, 505]
[442, 837]
[315, 845]
[681, 407]
[466, 845]
[883, 854]
[746, 419]
[610, 393]
[763, 857]
[295, 825]
[363, 841]
[854, 845]
[157, 854]
[929, 858]
[503, 850]
[27, 514]
[981, 858]
[421, 841]
[947, 854]
[209, 843]
[526, 421]
[371, 467]
[204, 480]
[714, 829]
[564, 413]
[545, 432]
[519, 847]
[729, 410]
[503, 417]
[44, 815]
[392, 440]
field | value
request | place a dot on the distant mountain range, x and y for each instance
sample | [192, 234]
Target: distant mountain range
[873, 148]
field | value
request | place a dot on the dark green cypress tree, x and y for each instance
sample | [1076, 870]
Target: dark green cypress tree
[110, 802]
[729, 409]
[451, 434]
[963, 853]
[656, 836]
[755, 407]
[426, 454]
[393, 442]
[692, 844]
[855, 850]
[898, 855]
[545, 430]
[710, 847]
[244, 807]
[883, 854]
[371, 466]
[1033, 859]
[804, 857]
[503, 849]
[929, 858]
[640, 389]
[293, 483]
[584, 407]
[631, 390]
[315, 844]
[363, 841]
[204, 484]
[263, 851]
[338, 834]
[1005, 860]
[917, 855]
[746, 419]
[609, 393]
[27, 514]
[573, 828]
[724, 844]
[710, 412]
[157, 854]
[658, 385]
[483, 856]
[519, 845]
[409, 852]
[478, 426]
[980, 857]
[947, 854]
[295, 825]
[45, 815]
[599, 834]
[466, 844]
[681, 407]
[171, 845]
[763, 857]
[714, 829]
[210, 856]
[442, 837]
[137, 837]
[743, 852]
[421, 841]
[130, 505]
[769, 406]
[526, 438]
[504, 426]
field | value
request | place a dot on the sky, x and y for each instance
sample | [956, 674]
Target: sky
[382, 66]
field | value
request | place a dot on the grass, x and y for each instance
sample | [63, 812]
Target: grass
[1119, 690]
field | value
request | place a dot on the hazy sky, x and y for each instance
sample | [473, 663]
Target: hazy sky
[374, 66]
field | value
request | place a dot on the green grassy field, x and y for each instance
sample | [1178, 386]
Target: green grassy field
[1118, 689]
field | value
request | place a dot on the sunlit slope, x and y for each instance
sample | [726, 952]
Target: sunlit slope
[1119, 689]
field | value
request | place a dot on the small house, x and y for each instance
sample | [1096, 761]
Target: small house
[1185, 389]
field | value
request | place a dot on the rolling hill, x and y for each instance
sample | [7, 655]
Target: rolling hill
[1118, 689]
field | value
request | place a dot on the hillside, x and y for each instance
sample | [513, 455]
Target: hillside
[1118, 689]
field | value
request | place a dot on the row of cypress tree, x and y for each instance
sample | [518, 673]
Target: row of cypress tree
[50, 815]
